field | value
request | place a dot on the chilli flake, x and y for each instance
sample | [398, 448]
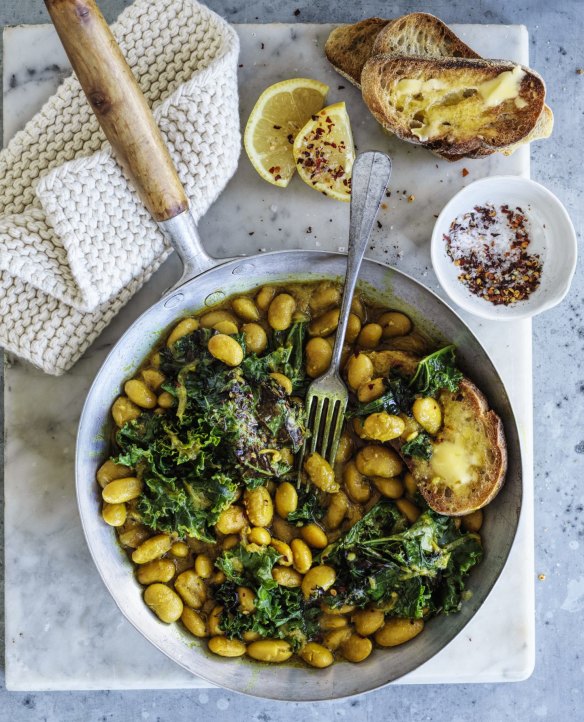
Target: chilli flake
[490, 247]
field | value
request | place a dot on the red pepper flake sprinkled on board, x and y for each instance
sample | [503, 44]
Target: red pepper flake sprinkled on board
[490, 247]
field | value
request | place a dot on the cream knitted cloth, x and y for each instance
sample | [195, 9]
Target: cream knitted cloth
[75, 241]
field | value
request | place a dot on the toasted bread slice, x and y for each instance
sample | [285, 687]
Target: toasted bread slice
[420, 34]
[348, 47]
[469, 456]
[455, 106]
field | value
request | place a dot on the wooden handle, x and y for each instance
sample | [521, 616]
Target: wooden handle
[120, 107]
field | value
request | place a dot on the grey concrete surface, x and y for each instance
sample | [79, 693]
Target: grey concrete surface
[555, 691]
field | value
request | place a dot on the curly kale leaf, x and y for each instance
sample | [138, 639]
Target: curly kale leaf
[183, 491]
[420, 447]
[224, 431]
[409, 571]
[437, 371]
[293, 341]
[280, 612]
[309, 508]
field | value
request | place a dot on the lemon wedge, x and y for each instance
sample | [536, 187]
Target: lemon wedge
[279, 113]
[324, 152]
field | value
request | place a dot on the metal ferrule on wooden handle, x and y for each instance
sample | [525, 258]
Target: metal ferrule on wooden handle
[120, 107]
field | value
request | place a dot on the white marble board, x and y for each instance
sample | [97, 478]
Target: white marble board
[63, 631]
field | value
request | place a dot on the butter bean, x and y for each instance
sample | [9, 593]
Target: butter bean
[394, 324]
[370, 335]
[286, 577]
[258, 506]
[280, 311]
[166, 400]
[214, 621]
[191, 588]
[121, 490]
[165, 603]
[226, 647]
[332, 621]
[124, 410]
[324, 296]
[314, 536]
[318, 356]
[231, 520]
[159, 570]
[409, 510]
[284, 551]
[247, 598]
[134, 536]
[336, 637]
[356, 485]
[337, 510]
[153, 378]
[345, 449]
[245, 308]
[325, 324]
[264, 297]
[316, 655]
[382, 426]
[229, 328]
[428, 414]
[356, 648]
[256, 338]
[473, 522]
[225, 349]
[286, 499]
[368, 621]
[270, 650]
[203, 566]
[317, 579]
[180, 550]
[259, 536]
[110, 471]
[209, 319]
[378, 460]
[390, 488]
[321, 473]
[371, 390]
[139, 394]
[359, 370]
[114, 514]
[194, 622]
[283, 381]
[398, 631]
[151, 549]
[182, 328]
[301, 555]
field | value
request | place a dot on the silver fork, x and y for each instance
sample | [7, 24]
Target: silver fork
[327, 396]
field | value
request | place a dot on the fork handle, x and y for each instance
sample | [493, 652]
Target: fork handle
[370, 176]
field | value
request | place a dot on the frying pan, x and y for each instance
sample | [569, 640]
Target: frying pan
[130, 128]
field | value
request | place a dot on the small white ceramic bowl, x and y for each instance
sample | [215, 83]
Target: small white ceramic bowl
[552, 237]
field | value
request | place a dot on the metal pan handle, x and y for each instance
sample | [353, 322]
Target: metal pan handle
[127, 121]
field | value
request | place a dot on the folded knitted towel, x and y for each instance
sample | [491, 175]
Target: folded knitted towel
[75, 241]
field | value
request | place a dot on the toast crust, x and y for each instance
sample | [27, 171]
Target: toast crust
[450, 113]
[420, 34]
[348, 47]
